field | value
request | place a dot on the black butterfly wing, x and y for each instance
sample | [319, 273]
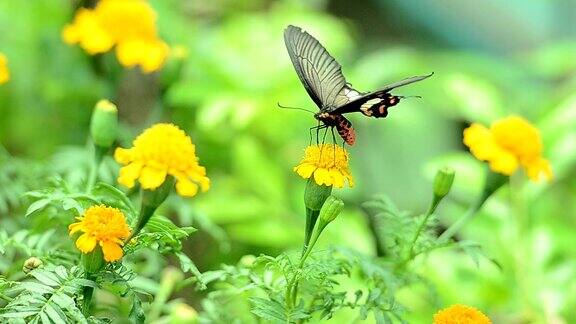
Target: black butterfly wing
[318, 71]
[368, 102]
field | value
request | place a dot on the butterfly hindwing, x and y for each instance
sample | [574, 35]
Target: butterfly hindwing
[375, 104]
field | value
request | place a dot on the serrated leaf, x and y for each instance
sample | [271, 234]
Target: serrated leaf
[268, 309]
[37, 287]
[45, 277]
[18, 314]
[55, 314]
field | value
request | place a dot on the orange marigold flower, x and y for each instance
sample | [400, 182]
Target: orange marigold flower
[508, 144]
[460, 314]
[4, 72]
[160, 151]
[101, 225]
[328, 163]
[130, 25]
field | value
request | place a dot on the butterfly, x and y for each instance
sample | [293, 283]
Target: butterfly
[322, 78]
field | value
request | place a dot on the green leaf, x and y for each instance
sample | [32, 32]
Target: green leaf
[137, 312]
[37, 287]
[45, 277]
[37, 205]
[268, 309]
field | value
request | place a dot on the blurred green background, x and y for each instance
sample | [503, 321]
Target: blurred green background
[491, 59]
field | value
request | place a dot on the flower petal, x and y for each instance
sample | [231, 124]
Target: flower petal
[75, 227]
[186, 188]
[322, 177]
[86, 243]
[129, 174]
[337, 178]
[538, 167]
[112, 251]
[152, 178]
[305, 170]
[123, 156]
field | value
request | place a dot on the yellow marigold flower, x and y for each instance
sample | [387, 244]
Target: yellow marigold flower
[328, 163]
[4, 72]
[160, 151]
[460, 314]
[87, 31]
[509, 143]
[130, 25]
[101, 225]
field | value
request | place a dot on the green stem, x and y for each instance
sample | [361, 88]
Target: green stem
[492, 183]
[87, 292]
[99, 153]
[292, 287]
[311, 218]
[459, 224]
[433, 205]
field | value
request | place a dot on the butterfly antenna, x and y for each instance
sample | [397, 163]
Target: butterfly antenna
[297, 108]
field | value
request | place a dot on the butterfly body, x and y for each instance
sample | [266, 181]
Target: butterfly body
[322, 78]
[342, 125]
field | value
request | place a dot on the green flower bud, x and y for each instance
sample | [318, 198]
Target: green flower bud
[31, 264]
[315, 195]
[104, 124]
[443, 182]
[331, 209]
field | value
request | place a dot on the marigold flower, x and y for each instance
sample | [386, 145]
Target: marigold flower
[101, 225]
[328, 163]
[509, 143]
[460, 314]
[4, 72]
[160, 151]
[130, 25]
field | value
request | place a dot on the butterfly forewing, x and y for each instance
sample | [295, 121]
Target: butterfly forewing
[319, 72]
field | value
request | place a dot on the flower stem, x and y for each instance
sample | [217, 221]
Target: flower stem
[433, 205]
[87, 292]
[311, 218]
[493, 182]
[99, 153]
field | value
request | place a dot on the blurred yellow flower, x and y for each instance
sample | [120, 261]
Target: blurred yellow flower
[128, 24]
[4, 72]
[101, 225]
[160, 151]
[328, 163]
[87, 31]
[149, 54]
[460, 314]
[508, 144]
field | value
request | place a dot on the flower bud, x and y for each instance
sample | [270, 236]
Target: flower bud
[104, 124]
[315, 195]
[443, 182]
[31, 264]
[331, 209]
[183, 313]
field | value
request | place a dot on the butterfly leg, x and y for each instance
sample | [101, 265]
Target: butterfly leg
[333, 143]
[317, 128]
[323, 140]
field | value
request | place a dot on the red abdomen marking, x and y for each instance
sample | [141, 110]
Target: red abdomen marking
[345, 130]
